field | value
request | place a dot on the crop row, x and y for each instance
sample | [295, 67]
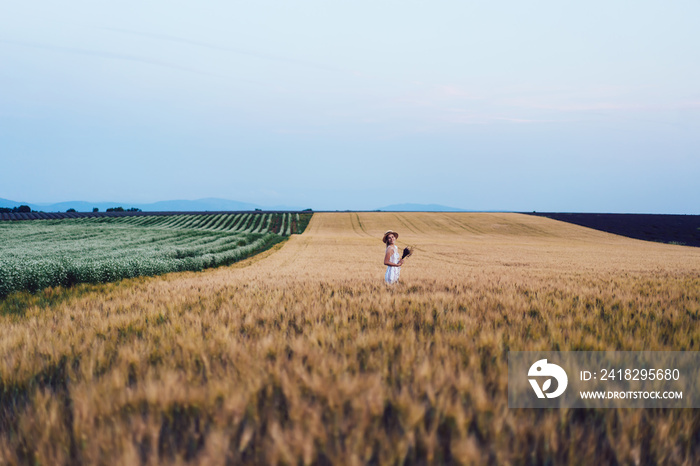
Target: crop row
[15, 216]
[248, 222]
[43, 253]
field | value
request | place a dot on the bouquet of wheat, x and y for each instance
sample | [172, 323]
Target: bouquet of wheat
[407, 251]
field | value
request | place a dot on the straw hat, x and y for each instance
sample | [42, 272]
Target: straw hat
[396, 235]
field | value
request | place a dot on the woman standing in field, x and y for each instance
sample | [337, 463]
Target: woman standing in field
[392, 258]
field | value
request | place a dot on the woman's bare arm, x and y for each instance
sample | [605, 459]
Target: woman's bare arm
[387, 259]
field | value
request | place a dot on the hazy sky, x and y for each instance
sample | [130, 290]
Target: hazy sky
[338, 104]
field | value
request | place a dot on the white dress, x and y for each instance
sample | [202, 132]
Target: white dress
[392, 273]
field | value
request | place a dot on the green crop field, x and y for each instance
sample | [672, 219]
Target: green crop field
[41, 253]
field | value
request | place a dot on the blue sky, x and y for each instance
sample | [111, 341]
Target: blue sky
[545, 105]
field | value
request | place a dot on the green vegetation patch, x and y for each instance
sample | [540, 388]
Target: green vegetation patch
[38, 254]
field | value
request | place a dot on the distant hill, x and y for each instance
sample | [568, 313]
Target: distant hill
[421, 208]
[210, 204]
[9, 203]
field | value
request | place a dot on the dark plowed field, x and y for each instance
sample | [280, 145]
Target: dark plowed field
[676, 229]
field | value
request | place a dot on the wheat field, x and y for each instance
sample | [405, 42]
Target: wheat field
[301, 355]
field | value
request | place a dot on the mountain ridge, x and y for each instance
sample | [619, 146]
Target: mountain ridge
[177, 205]
[410, 207]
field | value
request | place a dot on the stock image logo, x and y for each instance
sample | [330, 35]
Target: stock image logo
[542, 368]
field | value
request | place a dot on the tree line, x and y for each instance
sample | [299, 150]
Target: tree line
[26, 209]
